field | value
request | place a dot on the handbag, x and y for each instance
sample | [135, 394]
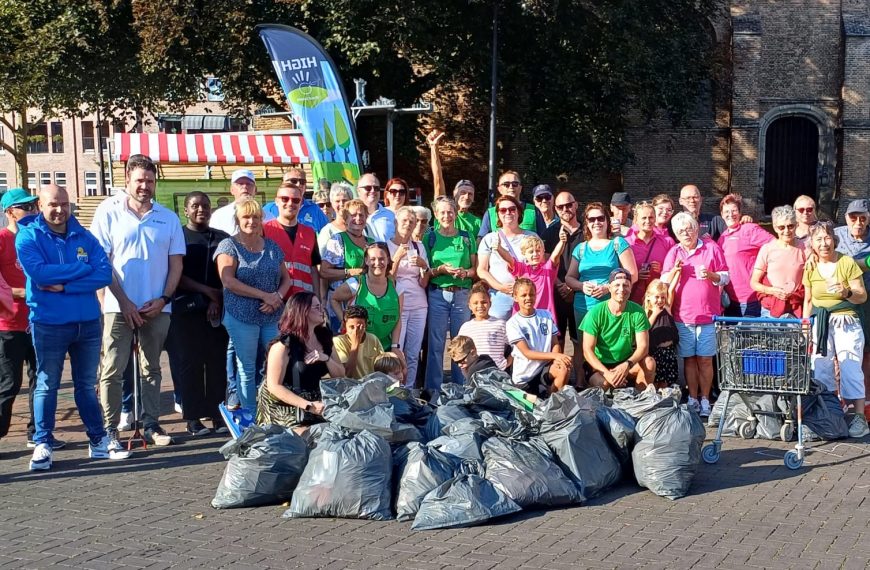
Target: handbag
[189, 303]
[304, 417]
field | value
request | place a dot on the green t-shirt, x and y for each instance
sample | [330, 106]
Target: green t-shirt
[455, 250]
[615, 334]
[465, 221]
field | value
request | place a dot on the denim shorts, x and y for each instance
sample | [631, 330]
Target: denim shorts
[697, 340]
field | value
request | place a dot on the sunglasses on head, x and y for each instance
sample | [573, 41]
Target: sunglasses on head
[398, 190]
[807, 210]
[567, 206]
[508, 210]
[593, 219]
[510, 184]
[285, 199]
[369, 188]
[295, 181]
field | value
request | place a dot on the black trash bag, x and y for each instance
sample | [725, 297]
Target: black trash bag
[824, 416]
[265, 464]
[464, 500]
[451, 392]
[466, 425]
[570, 429]
[419, 469]
[444, 416]
[594, 394]
[618, 428]
[736, 414]
[637, 404]
[667, 450]
[347, 476]
[359, 405]
[526, 472]
[461, 446]
[497, 425]
[408, 409]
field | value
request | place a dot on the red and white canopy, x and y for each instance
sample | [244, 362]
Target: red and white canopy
[213, 148]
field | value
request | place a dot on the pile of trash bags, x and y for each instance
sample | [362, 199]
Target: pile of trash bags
[483, 451]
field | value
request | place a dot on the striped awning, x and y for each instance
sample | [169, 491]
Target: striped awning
[216, 148]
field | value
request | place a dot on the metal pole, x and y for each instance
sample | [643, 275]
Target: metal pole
[493, 100]
[389, 144]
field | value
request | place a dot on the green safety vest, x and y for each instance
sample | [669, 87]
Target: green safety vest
[353, 254]
[383, 311]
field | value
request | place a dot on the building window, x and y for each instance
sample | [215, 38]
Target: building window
[4, 183]
[60, 179]
[88, 136]
[57, 137]
[37, 140]
[92, 183]
[107, 179]
[171, 126]
[31, 181]
[44, 179]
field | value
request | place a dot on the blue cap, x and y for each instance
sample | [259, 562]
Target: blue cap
[15, 196]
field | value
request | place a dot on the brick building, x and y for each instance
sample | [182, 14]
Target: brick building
[787, 114]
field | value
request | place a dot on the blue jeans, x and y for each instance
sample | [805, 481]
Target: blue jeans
[248, 339]
[52, 342]
[444, 314]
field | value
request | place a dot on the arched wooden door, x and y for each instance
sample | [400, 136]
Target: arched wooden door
[791, 158]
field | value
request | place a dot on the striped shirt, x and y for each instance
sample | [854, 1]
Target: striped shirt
[489, 338]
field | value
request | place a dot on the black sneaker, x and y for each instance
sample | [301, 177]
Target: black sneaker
[156, 436]
[196, 428]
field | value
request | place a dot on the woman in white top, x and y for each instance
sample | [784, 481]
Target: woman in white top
[492, 268]
[411, 272]
[339, 194]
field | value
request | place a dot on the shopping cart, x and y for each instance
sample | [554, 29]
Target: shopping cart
[767, 356]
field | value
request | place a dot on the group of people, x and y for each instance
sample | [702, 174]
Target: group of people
[255, 305]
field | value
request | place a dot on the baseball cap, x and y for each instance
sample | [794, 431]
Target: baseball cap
[242, 173]
[620, 199]
[16, 196]
[855, 206]
[459, 347]
[619, 273]
[463, 184]
[542, 189]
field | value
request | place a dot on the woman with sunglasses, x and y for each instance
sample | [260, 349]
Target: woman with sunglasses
[374, 290]
[835, 289]
[411, 273]
[321, 200]
[463, 192]
[740, 242]
[422, 217]
[452, 261]
[594, 259]
[339, 194]
[490, 266]
[779, 268]
[395, 194]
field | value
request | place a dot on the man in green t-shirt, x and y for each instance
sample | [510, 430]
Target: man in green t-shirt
[616, 339]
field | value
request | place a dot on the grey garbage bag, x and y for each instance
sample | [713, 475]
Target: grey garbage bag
[444, 416]
[618, 428]
[265, 464]
[451, 392]
[824, 416]
[408, 409]
[464, 500]
[348, 476]
[637, 404]
[359, 405]
[570, 429]
[419, 469]
[769, 421]
[736, 414]
[667, 450]
[526, 473]
[461, 446]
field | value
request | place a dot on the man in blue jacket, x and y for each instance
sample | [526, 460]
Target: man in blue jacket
[65, 266]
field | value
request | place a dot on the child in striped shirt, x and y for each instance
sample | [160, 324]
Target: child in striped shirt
[487, 332]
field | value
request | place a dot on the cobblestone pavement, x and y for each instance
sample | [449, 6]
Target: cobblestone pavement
[153, 512]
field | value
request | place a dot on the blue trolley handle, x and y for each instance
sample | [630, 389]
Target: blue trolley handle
[763, 320]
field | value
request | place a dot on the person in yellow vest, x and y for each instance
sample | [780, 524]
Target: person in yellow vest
[297, 241]
[509, 184]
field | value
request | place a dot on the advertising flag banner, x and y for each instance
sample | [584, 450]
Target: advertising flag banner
[312, 86]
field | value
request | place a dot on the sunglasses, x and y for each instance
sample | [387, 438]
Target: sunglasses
[323, 205]
[593, 219]
[562, 207]
[807, 210]
[508, 210]
[544, 198]
[369, 188]
[460, 361]
[511, 184]
[398, 190]
[28, 207]
[295, 181]
[285, 199]
[786, 227]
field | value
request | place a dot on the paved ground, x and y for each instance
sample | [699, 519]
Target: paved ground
[153, 512]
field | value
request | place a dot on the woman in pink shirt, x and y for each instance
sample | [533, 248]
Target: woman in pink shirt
[779, 268]
[740, 243]
[649, 247]
[699, 266]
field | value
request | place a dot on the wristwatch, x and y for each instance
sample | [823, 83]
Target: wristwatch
[395, 345]
[630, 364]
[166, 299]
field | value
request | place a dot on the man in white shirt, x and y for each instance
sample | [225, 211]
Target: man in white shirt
[381, 224]
[243, 186]
[145, 245]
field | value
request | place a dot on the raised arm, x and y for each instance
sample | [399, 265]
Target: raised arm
[437, 174]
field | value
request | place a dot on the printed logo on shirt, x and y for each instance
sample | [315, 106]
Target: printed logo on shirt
[308, 218]
[81, 254]
[544, 328]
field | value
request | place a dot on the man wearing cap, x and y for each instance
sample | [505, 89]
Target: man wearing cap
[16, 345]
[463, 192]
[854, 241]
[145, 244]
[243, 186]
[616, 339]
[620, 213]
[509, 184]
[463, 352]
[543, 198]
[310, 214]
[297, 241]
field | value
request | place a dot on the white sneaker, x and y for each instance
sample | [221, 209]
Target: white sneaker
[178, 408]
[705, 408]
[126, 423]
[694, 405]
[41, 460]
[108, 448]
[858, 427]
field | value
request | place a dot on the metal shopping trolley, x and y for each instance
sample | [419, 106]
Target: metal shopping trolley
[768, 356]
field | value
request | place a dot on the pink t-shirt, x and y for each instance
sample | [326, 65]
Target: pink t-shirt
[740, 246]
[696, 301]
[544, 278]
[646, 252]
[783, 265]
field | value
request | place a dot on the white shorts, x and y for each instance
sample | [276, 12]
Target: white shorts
[846, 343]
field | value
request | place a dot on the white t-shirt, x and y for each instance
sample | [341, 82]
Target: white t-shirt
[489, 338]
[224, 219]
[497, 266]
[538, 331]
[408, 277]
[324, 235]
[138, 249]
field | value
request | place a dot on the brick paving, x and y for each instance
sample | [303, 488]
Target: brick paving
[153, 512]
